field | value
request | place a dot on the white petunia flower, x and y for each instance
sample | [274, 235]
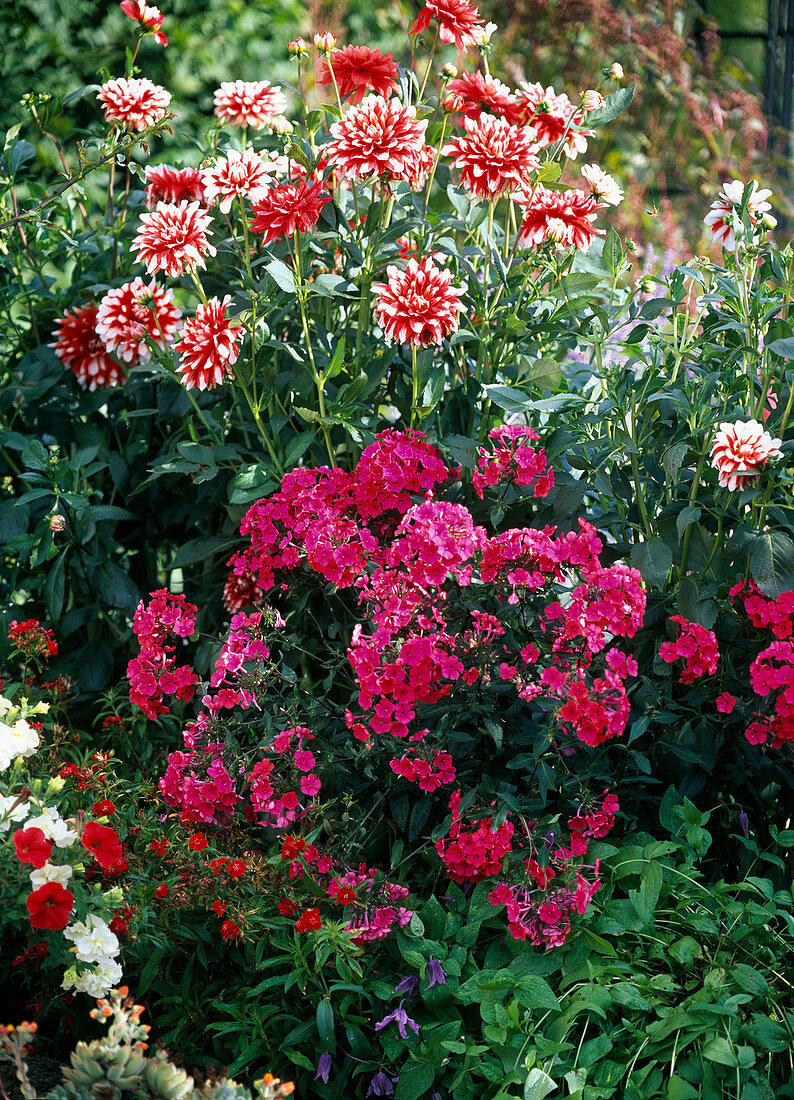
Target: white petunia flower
[53, 827]
[93, 939]
[17, 740]
[51, 872]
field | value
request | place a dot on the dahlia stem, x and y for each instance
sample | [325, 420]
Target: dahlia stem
[429, 67]
[260, 427]
[197, 284]
[414, 387]
[185, 387]
[246, 244]
[432, 175]
[316, 377]
[693, 492]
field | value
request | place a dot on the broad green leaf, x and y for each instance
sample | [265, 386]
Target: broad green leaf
[614, 105]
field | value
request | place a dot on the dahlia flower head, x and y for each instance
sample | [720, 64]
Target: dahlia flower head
[209, 345]
[377, 138]
[238, 173]
[289, 208]
[724, 217]
[603, 188]
[149, 17]
[134, 104]
[251, 103]
[130, 314]
[418, 306]
[472, 93]
[172, 185]
[81, 349]
[458, 22]
[358, 70]
[494, 158]
[740, 451]
[562, 217]
[552, 118]
[173, 238]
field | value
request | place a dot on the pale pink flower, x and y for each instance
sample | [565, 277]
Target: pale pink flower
[603, 187]
[740, 451]
[494, 157]
[131, 313]
[418, 306]
[173, 238]
[592, 100]
[724, 220]
[134, 104]
[244, 173]
[249, 103]
[376, 138]
[209, 345]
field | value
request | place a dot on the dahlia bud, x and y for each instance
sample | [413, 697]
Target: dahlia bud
[325, 42]
[615, 71]
[281, 125]
[592, 100]
[298, 47]
[449, 72]
[57, 523]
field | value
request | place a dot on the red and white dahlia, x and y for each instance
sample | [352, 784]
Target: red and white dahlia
[377, 138]
[209, 345]
[148, 16]
[564, 217]
[289, 208]
[236, 174]
[552, 118]
[740, 451]
[418, 306]
[239, 591]
[494, 157]
[81, 350]
[418, 168]
[472, 93]
[458, 22]
[359, 69]
[130, 313]
[134, 104]
[724, 218]
[166, 184]
[173, 238]
[249, 103]
[603, 187]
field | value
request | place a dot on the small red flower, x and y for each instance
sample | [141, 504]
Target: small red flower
[50, 906]
[32, 846]
[292, 846]
[344, 895]
[197, 843]
[217, 865]
[219, 907]
[458, 22]
[230, 930]
[103, 844]
[161, 891]
[159, 846]
[286, 907]
[309, 922]
[236, 868]
[103, 808]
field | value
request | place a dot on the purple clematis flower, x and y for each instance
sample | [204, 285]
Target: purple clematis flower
[435, 973]
[323, 1068]
[401, 1017]
[409, 986]
[381, 1085]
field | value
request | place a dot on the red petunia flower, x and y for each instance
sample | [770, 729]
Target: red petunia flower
[161, 891]
[32, 846]
[494, 157]
[159, 845]
[167, 184]
[249, 103]
[129, 314]
[219, 907]
[359, 69]
[472, 93]
[209, 345]
[236, 868]
[288, 208]
[238, 173]
[148, 16]
[417, 306]
[377, 138]
[103, 844]
[173, 238]
[740, 452]
[458, 22]
[81, 350]
[49, 906]
[564, 217]
[134, 104]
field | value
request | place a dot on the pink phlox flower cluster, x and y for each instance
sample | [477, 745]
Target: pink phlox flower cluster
[199, 785]
[598, 711]
[434, 540]
[428, 774]
[243, 643]
[474, 850]
[297, 781]
[695, 646]
[609, 603]
[154, 674]
[512, 461]
[765, 612]
[394, 469]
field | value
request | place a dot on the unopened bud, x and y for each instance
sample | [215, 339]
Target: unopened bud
[298, 47]
[325, 42]
[744, 823]
[449, 72]
[615, 71]
[57, 523]
[592, 100]
[281, 125]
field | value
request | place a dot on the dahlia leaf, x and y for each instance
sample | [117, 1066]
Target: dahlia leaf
[614, 105]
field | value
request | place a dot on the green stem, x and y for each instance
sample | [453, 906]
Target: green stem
[693, 492]
[246, 242]
[316, 377]
[414, 386]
